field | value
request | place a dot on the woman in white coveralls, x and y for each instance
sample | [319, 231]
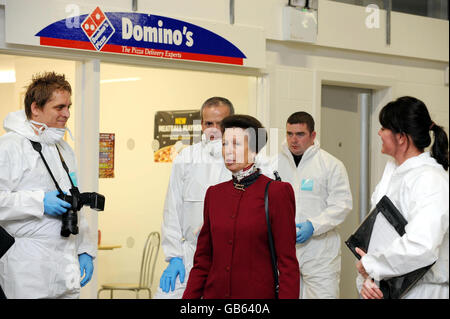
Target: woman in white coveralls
[416, 182]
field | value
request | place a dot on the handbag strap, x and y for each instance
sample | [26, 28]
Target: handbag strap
[271, 244]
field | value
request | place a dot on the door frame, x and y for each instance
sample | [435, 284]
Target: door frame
[382, 93]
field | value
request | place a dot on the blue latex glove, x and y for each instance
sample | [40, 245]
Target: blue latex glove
[53, 205]
[86, 268]
[169, 276]
[305, 231]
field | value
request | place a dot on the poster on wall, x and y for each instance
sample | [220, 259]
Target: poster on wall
[174, 130]
[106, 155]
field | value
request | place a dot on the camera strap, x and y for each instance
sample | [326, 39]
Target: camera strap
[64, 166]
[38, 148]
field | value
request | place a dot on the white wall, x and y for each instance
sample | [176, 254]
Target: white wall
[343, 26]
[297, 72]
[216, 10]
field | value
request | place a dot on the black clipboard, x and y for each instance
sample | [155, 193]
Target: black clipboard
[395, 287]
[6, 241]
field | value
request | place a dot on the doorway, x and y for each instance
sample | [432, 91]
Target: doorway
[341, 116]
[131, 97]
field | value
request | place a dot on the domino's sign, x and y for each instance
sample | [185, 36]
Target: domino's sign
[141, 34]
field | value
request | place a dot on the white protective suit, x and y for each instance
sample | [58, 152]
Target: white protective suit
[195, 169]
[419, 190]
[322, 196]
[41, 263]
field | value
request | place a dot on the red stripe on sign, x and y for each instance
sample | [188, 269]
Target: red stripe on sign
[213, 58]
[72, 44]
[121, 49]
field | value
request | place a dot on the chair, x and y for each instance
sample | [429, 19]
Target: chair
[147, 270]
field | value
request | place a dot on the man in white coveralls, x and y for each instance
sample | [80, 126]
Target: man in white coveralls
[41, 263]
[323, 200]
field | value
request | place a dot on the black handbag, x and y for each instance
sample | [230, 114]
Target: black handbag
[6, 241]
[395, 287]
[271, 244]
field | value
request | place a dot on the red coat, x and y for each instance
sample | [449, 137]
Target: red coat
[232, 259]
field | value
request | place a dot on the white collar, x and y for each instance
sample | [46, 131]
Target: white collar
[240, 175]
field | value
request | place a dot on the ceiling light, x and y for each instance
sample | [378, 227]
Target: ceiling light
[7, 76]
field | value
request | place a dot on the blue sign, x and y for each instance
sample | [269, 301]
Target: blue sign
[141, 34]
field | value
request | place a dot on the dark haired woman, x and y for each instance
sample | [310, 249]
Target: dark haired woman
[417, 183]
[233, 259]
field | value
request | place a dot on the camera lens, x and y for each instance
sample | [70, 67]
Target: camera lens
[69, 224]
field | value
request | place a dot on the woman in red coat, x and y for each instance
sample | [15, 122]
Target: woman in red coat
[233, 258]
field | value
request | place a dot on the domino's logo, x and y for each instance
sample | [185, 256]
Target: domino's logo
[98, 28]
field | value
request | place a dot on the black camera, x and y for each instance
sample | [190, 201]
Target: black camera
[78, 200]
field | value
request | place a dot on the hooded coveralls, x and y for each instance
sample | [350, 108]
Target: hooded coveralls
[323, 196]
[419, 190]
[41, 263]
